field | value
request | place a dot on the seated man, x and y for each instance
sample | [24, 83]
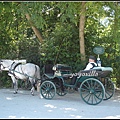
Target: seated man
[92, 63]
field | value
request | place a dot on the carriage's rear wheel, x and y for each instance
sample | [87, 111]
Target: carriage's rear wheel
[47, 89]
[109, 88]
[92, 91]
[60, 92]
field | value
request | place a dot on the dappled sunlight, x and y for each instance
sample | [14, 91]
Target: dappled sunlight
[76, 116]
[50, 110]
[20, 91]
[112, 117]
[40, 96]
[116, 101]
[116, 96]
[50, 106]
[12, 117]
[8, 98]
[69, 109]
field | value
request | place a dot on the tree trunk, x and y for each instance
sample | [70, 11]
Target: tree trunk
[36, 31]
[81, 31]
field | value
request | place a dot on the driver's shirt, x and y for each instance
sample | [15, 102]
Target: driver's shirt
[90, 65]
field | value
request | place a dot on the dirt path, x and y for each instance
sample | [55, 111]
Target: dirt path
[24, 105]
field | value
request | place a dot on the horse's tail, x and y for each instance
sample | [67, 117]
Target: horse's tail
[36, 77]
[37, 73]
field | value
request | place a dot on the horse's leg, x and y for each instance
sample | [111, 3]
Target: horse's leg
[33, 85]
[32, 90]
[15, 84]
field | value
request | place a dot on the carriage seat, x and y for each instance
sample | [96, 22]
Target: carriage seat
[103, 69]
[47, 70]
[61, 69]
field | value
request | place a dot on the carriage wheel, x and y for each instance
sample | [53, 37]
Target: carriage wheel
[109, 88]
[92, 91]
[59, 90]
[47, 89]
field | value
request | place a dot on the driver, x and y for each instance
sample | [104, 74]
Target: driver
[92, 63]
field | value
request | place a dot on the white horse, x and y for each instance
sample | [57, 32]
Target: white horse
[21, 71]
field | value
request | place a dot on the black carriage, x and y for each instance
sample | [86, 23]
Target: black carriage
[93, 85]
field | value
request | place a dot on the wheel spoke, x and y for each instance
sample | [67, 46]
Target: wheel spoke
[109, 88]
[48, 89]
[92, 91]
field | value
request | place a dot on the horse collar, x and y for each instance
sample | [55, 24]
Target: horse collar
[12, 68]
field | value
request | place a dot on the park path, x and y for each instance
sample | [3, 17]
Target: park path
[24, 105]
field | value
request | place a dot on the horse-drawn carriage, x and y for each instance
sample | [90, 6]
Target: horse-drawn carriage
[93, 85]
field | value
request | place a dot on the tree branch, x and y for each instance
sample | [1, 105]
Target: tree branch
[36, 31]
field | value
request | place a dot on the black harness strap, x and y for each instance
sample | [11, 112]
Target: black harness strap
[33, 83]
[93, 64]
[11, 70]
[35, 71]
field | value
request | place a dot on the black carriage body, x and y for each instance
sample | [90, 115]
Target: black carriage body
[93, 85]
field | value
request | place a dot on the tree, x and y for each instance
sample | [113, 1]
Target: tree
[81, 31]
[70, 31]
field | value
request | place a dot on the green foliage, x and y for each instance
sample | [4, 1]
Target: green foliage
[5, 80]
[58, 23]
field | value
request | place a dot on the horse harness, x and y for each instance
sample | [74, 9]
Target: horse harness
[12, 70]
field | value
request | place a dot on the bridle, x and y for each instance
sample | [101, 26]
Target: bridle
[1, 65]
[4, 66]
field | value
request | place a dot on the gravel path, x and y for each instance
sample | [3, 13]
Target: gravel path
[23, 105]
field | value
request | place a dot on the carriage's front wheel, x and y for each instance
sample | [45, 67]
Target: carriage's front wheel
[92, 91]
[47, 89]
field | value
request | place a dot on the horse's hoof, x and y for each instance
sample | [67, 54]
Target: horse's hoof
[32, 94]
[15, 92]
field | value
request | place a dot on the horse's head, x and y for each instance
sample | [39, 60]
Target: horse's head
[1, 66]
[5, 65]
